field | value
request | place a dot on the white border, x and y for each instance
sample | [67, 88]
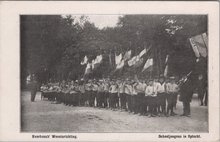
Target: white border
[9, 60]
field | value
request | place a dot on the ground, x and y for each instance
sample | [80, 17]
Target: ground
[45, 116]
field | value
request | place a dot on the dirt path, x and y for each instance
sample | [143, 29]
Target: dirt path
[44, 116]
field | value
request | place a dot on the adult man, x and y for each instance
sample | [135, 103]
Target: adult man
[201, 88]
[186, 93]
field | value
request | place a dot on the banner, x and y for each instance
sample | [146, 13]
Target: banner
[120, 65]
[127, 55]
[88, 68]
[97, 61]
[199, 44]
[118, 58]
[166, 71]
[142, 53]
[148, 63]
[132, 61]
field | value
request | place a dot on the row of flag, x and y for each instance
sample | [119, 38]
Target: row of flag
[120, 61]
[199, 45]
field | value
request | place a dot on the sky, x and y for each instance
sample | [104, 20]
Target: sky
[102, 21]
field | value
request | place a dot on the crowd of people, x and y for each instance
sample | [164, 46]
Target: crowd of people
[152, 97]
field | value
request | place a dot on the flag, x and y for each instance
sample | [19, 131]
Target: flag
[93, 64]
[127, 55]
[166, 60]
[142, 52]
[97, 61]
[148, 63]
[199, 44]
[118, 58]
[88, 68]
[85, 60]
[139, 62]
[166, 71]
[120, 65]
[132, 61]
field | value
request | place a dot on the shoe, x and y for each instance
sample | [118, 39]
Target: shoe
[183, 114]
[173, 114]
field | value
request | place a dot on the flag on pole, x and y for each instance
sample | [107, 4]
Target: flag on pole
[127, 55]
[88, 68]
[85, 60]
[120, 65]
[199, 45]
[166, 60]
[118, 58]
[142, 52]
[139, 62]
[97, 61]
[166, 71]
[148, 63]
[132, 61]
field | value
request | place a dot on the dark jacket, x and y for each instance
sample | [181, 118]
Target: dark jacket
[186, 91]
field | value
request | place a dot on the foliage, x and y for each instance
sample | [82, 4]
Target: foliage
[53, 46]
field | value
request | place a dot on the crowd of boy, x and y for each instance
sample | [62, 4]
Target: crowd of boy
[153, 97]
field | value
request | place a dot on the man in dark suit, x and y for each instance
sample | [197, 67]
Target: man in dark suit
[186, 93]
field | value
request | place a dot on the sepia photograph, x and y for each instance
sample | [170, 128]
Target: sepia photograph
[114, 73]
[109, 71]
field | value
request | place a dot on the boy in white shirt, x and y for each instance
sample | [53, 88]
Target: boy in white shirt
[151, 93]
[113, 93]
[128, 92]
[141, 87]
[172, 90]
[122, 95]
[161, 96]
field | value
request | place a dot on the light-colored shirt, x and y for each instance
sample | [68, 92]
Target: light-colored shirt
[172, 88]
[160, 87]
[113, 89]
[106, 87]
[141, 87]
[128, 89]
[95, 87]
[134, 90]
[150, 91]
[121, 88]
